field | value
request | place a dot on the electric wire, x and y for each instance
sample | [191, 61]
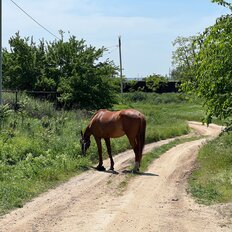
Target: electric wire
[28, 15]
[34, 19]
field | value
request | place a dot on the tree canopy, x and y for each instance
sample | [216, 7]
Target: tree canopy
[223, 3]
[210, 56]
[213, 73]
[72, 68]
[154, 81]
[183, 58]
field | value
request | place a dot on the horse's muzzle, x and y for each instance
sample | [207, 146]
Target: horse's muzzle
[83, 153]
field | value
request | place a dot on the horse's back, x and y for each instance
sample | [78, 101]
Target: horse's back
[131, 113]
[106, 115]
[107, 124]
[115, 124]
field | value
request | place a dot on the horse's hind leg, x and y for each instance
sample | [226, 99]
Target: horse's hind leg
[137, 159]
[100, 166]
[139, 151]
[134, 145]
[109, 153]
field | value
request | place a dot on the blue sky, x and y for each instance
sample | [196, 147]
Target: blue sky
[147, 27]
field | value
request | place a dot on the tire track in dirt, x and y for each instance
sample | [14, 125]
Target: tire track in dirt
[153, 201]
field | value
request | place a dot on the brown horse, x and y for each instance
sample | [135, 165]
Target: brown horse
[113, 124]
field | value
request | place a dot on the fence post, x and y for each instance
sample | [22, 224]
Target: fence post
[16, 100]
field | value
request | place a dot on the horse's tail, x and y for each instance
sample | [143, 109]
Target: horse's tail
[142, 133]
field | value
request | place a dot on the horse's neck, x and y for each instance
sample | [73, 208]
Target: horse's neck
[88, 132]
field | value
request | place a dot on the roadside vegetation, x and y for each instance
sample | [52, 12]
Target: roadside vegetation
[211, 182]
[39, 146]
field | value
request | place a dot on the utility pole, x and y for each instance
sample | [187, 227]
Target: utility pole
[120, 60]
[0, 52]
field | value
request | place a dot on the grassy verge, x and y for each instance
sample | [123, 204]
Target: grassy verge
[211, 182]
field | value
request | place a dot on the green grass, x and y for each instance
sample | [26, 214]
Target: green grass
[165, 120]
[211, 182]
[39, 146]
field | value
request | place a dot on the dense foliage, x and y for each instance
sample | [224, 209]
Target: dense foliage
[72, 68]
[155, 81]
[209, 75]
[213, 73]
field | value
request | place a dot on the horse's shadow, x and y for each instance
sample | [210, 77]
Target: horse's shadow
[139, 173]
[106, 171]
[126, 172]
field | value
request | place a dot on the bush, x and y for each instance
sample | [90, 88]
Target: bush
[154, 98]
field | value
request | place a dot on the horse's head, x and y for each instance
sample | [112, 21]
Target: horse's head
[85, 143]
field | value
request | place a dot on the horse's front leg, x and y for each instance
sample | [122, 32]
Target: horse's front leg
[109, 153]
[100, 166]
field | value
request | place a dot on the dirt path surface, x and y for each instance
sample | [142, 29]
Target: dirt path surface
[153, 201]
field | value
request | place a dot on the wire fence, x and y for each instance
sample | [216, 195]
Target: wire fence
[14, 97]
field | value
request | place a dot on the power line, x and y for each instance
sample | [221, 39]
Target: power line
[34, 19]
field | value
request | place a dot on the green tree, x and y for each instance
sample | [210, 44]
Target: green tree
[208, 59]
[183, 58]
[23, 64]
[154, 81]
[70, 67]
[223, 3]
[213, 72]
[83, 81]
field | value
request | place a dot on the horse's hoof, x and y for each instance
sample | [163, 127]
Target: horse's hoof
[101, 168]
[135, 171]
[111, 169]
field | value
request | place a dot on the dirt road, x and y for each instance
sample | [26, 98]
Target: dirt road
[153, 201]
